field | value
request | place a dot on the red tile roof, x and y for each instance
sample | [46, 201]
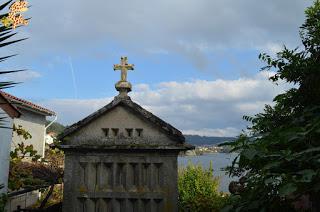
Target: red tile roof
[17, 101]
[6, 106]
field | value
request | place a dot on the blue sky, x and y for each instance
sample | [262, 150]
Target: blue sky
[196, 62]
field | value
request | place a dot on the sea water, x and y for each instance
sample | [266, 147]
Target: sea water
[219, 161]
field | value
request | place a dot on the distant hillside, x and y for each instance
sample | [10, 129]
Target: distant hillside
[56, 127]
[204, 140]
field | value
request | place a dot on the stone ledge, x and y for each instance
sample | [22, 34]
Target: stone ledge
[127, 147]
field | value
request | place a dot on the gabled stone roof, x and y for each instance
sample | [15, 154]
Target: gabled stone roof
[172, 132]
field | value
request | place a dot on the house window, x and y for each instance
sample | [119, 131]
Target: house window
[115, 132]
[106, 131]
[139, 132]
[129, 132]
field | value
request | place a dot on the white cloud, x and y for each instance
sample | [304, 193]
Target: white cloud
[242, 89]
[202, 107]
[272, 48]
[229, 131]
[22, 76]
[189, 28]
[73, 110]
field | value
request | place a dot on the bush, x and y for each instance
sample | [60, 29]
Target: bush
[198, 189]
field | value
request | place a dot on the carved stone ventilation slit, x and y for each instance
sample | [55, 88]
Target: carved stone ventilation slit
[129, 132]
[146, 175]
[92, 176]
[83, 175]
[146, 205]
[120, 205]
[115, 132]
[133, 205]
[139, 132]
[82, 205]
[98, 175]
[158, 205]
[91, 204]
[133, 176]
[106, 132]
[107, 204]
[100, 205]
[158, 178]
[121, 175]
[106, 181]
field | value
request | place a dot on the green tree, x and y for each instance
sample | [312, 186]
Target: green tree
[34, 172]
[198, 189]
[279, 159]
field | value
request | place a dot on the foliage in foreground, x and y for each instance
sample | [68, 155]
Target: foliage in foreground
[56, 197]
[198, 189]
[28, 171]
[6, 32]
[279, 159]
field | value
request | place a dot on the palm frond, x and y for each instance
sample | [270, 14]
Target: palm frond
[5, 4]
[3, 38]
[5, 34]
[6, 57]
[11, 42]
[13, 71]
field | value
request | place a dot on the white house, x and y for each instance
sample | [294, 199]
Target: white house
[7, 113]
[32, 119]
[50, 138]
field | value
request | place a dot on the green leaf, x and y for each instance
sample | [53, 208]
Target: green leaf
[307, 175]
[271, 165]
[269, 181]
[287, 189]
[249, 153]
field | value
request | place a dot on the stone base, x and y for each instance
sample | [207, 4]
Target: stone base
[123, 87]
[120, 181]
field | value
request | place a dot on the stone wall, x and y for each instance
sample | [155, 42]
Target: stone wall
[120, 181]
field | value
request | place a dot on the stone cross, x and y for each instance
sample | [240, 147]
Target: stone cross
[124, 67]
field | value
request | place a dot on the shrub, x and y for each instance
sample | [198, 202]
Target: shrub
[198, 189]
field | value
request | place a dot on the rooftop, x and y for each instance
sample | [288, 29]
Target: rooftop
[24, 103]
[172, 132]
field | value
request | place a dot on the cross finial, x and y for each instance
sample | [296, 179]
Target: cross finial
[123, 86]
[124, 67]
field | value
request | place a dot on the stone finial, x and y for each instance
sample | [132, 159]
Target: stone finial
[123, 86]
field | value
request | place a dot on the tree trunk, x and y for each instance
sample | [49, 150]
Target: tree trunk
[45, 200]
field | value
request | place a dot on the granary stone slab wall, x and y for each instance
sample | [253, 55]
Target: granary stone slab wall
[120, 181]
[121, 158]
[121, 123]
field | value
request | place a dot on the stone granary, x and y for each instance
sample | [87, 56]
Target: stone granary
[121, 158]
